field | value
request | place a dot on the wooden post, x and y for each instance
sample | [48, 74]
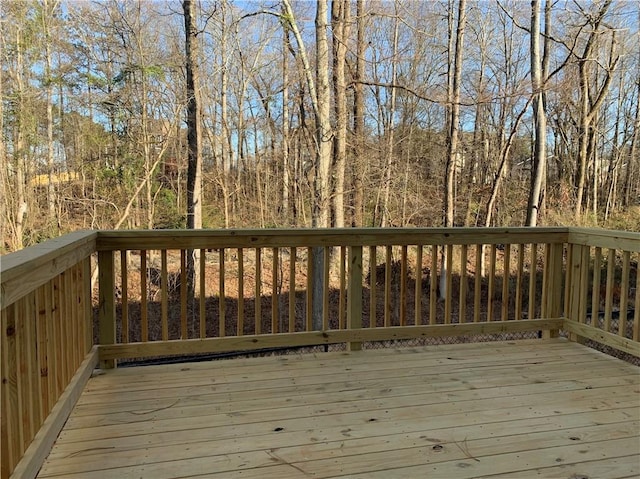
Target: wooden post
[354, 312]
[107, 311]
[554, 295]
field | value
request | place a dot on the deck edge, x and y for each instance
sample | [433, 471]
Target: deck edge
[40, 447]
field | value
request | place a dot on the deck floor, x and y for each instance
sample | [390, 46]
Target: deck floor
[519, 410]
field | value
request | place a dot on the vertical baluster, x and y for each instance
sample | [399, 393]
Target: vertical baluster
[222, 304]
[144, 321]
[387, 288]
[10, 414]
[624, 294]
[533, 272]
[343, 286]
[595, 289]
[477, 290]
[184, 334]
[292, 288]
[608, 300]
[240, 331]
[164, 295]
[448, 284]
[258, 295]
[462, 304]
[275, 253]
[492, 280]
[584, 282]
[51, 345]
[309, 295]
[403, 285]
[636, 306]
[373, 273]
[325, 289]
[519, 273]
[506, 275]
[43, 349]
[202, 303]
[433, 284]
[124, 323]
[417, 317]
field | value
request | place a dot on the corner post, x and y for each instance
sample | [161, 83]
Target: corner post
[107, 311]
[553, 306]
[354, 294]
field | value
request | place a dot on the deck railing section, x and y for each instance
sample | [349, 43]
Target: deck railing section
[287, 288]
[46, 312]
[603, 296]
[284, 288]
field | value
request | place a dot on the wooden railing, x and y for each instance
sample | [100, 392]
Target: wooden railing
[264, 289]
[603, 293]
[287, 288]
[45, 345]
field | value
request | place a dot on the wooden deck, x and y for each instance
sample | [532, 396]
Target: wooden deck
[518, 410]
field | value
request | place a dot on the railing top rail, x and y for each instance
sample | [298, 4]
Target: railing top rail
[625, 240]
[247, 238]
[25, 270]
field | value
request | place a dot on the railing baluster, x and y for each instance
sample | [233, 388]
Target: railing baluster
[636, 306]
[258, 295]
[43, 350]
[492, 280]
[624, 294]
[387, 287]
[608, 299]
[462, 303]
[373, 279]
[184, 334]
[433, 285]
[520, 270]
[164, 295]
[342, 300]
[222, 302]
[403, 285]
[595, 290]
[325, 288]
[124, 323]
[292, 288]
[10, 415]
[477, 290]
[240, 291]
[533, 278]
[417, 317]
[144, 318]
[584, 283]
[274, 290]
[448, 283]
[309, 295]
[506, 275]
[202, 296]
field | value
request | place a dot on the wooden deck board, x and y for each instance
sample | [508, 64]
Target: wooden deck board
[518, 409]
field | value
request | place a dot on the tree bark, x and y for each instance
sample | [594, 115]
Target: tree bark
[539, 159]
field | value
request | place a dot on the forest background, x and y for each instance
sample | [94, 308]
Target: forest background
[328, 113]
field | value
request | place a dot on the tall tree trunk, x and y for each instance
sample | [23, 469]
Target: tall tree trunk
[539, 159]
[358, 117]
[340, 21]
[194, 144]
[194, 116]
[452, 136]
[390, 128]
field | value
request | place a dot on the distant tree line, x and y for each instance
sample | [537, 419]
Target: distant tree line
[328, 113]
